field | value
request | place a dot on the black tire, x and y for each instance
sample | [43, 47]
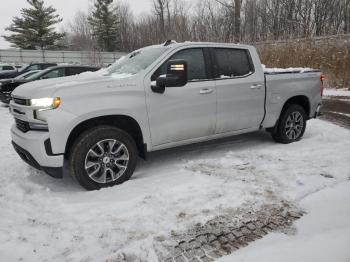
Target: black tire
[279, 132]
[90, 139]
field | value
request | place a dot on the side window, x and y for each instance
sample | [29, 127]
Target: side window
[195, 61]
[7, 68]
[54, 73]
[232, 62]
[76, 70]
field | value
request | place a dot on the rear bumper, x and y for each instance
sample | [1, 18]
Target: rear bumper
[30, 147]
[318, 111]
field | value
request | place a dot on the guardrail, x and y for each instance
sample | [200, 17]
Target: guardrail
[19, 56]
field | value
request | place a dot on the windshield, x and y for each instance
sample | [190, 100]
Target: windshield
[136, 61]
[38, 74]
[23, 68]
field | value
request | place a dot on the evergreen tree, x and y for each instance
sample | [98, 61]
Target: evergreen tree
[35, 29]
[105, 24]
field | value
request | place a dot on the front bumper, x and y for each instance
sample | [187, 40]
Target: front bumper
[30, 147]
[5, 97]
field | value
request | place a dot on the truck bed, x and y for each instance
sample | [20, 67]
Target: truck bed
[282, 84]
[290, 70]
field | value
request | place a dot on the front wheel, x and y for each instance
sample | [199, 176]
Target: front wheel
[291, 125]
[102, 157]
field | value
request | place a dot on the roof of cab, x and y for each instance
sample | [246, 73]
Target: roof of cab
[172, 43]
[73, 66]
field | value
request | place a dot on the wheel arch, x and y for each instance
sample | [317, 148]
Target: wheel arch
[124, 122]
[300, 100]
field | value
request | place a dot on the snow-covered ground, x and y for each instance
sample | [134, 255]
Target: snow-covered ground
[336, 92]
[43, 219]
[322, 234]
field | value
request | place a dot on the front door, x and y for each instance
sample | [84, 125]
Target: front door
[187, 112]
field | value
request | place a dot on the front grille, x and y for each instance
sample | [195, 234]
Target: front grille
[22, 125]
[20, 101]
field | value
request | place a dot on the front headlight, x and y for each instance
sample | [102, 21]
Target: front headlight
[45, 103]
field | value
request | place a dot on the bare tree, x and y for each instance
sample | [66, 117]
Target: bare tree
[223, 21]
[80, 36]
[160, 7]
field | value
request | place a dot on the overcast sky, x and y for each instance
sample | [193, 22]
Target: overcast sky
[66, 8]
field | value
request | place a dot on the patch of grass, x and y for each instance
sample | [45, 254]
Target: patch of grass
[332, 56]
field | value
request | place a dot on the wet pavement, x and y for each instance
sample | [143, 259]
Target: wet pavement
[337, 110]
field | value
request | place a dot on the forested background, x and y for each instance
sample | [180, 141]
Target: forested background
[309, 33]
[247, 21]
[286, 32]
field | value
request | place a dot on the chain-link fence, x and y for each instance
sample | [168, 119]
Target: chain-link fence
[18, 56]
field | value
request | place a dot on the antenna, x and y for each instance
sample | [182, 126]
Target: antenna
[169, 42]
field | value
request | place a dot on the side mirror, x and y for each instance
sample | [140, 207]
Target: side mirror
[176, 76]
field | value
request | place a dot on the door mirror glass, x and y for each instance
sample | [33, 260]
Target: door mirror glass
[176, 76]
[176, 73]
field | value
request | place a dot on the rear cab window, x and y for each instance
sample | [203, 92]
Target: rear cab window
[7, 68]
[232, 63]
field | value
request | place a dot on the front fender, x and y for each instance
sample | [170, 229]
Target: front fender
[59, 133]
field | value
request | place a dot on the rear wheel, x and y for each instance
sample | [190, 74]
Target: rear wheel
[102, 157]
[291, 125]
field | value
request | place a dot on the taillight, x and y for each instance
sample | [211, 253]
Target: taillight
[322, 78]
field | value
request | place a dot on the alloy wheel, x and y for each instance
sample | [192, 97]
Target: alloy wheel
[294, 125]
[106, 161]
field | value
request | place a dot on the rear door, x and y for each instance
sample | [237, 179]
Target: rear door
[187, 112]
[240, 90]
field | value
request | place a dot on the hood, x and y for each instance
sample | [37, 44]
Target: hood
[11, 84]
[47, 88]
[9, 74]
[13, 80]
[6, 81]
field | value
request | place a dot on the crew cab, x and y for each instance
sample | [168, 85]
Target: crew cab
[158, 97]
[7, 87]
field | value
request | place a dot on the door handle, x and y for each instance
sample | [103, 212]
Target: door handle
[255, 86]
[206, 91]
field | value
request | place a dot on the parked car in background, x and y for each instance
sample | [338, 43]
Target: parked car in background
[6, 87]
[22, 76]
[6, 67]
[17, 72]
[155, 98]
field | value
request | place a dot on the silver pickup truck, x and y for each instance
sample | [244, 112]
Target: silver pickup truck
[158, 97]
